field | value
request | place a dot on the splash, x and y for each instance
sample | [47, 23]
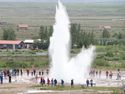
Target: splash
[62, 66]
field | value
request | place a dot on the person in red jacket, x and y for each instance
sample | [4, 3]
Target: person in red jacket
[48, 81]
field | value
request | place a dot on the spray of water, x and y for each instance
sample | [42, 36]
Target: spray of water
[62, 66]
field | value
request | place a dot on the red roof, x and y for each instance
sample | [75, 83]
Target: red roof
[10, 41]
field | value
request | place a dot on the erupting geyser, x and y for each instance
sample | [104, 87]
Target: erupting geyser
[62, 66]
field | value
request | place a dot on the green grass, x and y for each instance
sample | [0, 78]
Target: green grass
[107, 57]
[23, 64]
[110, 57]
[22, 59]
[114, 90]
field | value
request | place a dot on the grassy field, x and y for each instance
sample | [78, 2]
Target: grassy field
[22, 59]
[90, 15]
[107, 57]
[110, 57]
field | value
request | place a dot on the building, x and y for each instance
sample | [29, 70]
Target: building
[22, 27]
[107, 27]
[28, 43]
[11, 44]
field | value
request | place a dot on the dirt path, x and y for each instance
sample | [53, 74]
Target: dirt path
[14, 88]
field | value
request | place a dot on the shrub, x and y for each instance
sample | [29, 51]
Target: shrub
[100, 62]
[109, 54]
[123, 57]
[122, 65]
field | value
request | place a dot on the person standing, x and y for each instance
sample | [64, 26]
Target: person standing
[27, 72]
[107, 74]
[39, 72]
[21, 72]
[36, 78]
[72, 83]
[44, 82]
[96, 73]
[87, 82]
[52, 82]
[55, 82]
[9, 78]
[110, 75]
[48, 81]
[42, 72]
[62, 82]
[91, 83]
[119, 75]
[34, 72]
[41, 81]
[100, 73]
[47, 71]
[1, 77]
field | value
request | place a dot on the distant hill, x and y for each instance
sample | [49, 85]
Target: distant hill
[91, 16]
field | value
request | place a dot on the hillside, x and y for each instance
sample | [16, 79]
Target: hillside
[90, 15]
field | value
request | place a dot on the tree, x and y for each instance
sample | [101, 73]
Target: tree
[80, 38]
[75, 34]
[9, 34]
[105, 33]
[120, 35]
[44, 34]
[105, 37]
[86, 39]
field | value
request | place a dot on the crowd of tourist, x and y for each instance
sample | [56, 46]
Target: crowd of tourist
[40, 74]
[108, 74]
[8, 74]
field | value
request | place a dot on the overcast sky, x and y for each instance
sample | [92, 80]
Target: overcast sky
[61, 0]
